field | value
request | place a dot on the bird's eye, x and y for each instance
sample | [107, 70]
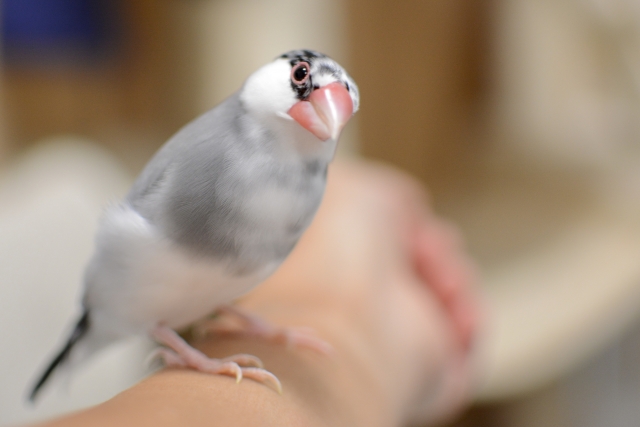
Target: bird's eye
[300, 73]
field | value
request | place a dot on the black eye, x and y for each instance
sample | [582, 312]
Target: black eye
[300, 73]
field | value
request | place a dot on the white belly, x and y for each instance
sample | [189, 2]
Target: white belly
[138, 279]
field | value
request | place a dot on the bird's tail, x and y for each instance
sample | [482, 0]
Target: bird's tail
[78, 332]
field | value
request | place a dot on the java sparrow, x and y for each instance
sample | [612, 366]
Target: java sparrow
[214, 213]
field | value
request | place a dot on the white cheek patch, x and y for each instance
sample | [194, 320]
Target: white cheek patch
[268, 90]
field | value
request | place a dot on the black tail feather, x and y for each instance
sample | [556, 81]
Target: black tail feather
[78, 332]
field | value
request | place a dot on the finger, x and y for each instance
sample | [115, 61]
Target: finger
[445, 268]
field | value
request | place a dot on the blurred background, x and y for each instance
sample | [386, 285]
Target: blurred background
[522, 117]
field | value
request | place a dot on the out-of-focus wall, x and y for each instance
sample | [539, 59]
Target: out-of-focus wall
[568, 81]
[2, 110]
[129, 93]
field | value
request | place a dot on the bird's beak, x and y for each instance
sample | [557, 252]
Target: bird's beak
[325, 112]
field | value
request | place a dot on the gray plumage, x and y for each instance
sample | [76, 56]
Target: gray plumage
[197, 199]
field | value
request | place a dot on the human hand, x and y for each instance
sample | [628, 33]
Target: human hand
[386, 282]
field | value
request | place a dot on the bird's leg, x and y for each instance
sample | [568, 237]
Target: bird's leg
[180, 354]
[253, 326]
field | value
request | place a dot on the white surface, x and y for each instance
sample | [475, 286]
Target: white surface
[50, 202]
[555, 309]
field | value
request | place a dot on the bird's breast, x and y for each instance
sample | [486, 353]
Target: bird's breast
[277, 214]
[249, 210]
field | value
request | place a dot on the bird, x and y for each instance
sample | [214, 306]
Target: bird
[214, 213]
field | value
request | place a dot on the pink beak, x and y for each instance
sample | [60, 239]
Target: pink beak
[326, 112]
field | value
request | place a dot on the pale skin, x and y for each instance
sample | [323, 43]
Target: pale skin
[379, 278]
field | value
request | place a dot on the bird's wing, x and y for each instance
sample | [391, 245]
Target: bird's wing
[152, 175]
[211, 127]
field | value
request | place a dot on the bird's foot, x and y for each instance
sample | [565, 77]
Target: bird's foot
[249, 325]
[178, 353]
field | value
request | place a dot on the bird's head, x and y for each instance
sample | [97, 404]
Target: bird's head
[304, 89]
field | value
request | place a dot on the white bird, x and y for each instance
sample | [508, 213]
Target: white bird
[214, 213]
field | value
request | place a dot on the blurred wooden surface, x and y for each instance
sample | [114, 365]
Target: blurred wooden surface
[420, 68]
